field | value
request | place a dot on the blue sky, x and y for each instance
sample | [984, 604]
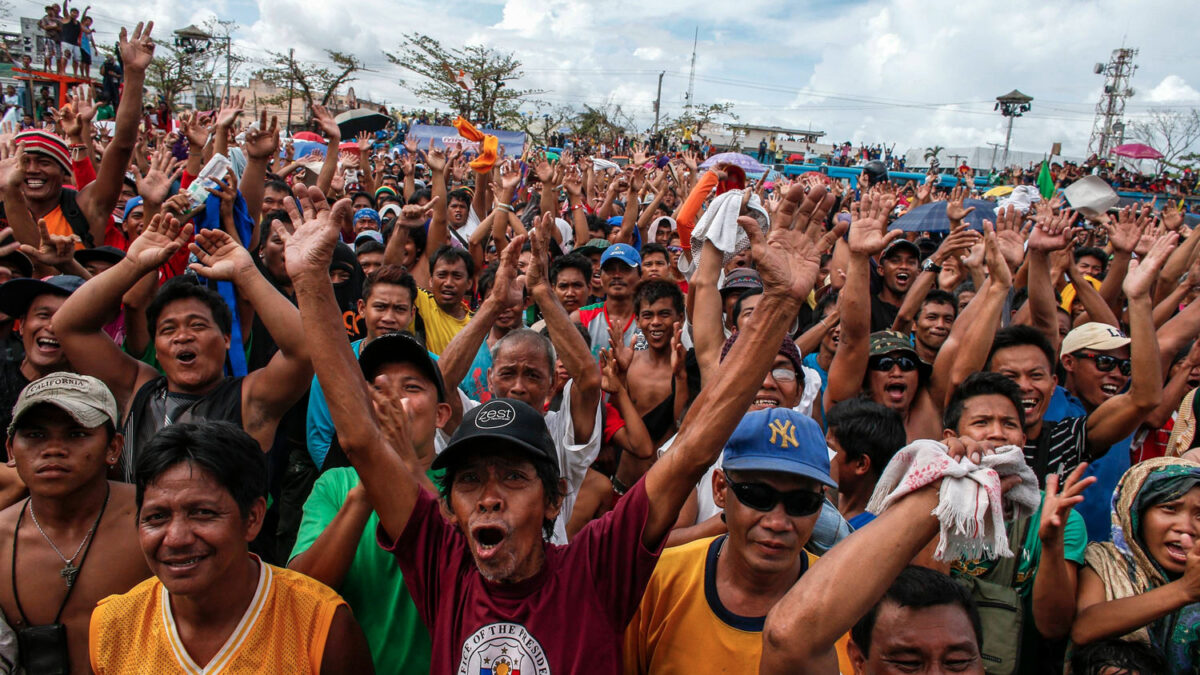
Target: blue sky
[909, 72]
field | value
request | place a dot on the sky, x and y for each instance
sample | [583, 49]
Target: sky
[912, 73]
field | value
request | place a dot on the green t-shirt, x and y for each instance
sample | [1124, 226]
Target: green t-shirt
[1074, 542]
[373, 586]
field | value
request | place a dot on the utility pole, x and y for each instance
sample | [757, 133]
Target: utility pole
[291, 71]
[995, 147]
[658, 101]
[692, 78]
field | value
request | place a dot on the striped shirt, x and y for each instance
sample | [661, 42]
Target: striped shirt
[1066, 447]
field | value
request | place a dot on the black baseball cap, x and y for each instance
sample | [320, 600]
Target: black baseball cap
[400, 348]
[105, 254]
[901, 244]
[17, 295]
[500, 423]
[18, 261]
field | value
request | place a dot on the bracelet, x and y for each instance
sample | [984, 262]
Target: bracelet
[504, 207]
[577, 206]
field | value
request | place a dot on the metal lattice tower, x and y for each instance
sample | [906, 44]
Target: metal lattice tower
[1108, 129]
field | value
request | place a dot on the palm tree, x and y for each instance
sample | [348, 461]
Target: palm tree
[932, 153]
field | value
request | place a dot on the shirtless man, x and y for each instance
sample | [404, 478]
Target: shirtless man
[74, 538]
[657, 379]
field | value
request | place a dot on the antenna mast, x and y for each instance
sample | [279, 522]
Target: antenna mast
[1108, 128]
[692, 77]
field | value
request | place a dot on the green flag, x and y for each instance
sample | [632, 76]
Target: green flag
[1044, 182]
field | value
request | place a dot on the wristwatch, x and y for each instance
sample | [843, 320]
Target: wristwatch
[929, 266]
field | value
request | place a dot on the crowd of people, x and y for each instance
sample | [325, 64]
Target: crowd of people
[436, 409]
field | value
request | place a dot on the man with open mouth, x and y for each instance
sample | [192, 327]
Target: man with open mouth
[191, 328]
[494, 594]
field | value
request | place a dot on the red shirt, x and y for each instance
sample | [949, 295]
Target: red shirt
[569, 618]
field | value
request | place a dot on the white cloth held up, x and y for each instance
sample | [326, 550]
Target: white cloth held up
[718, 224]
[970, 508]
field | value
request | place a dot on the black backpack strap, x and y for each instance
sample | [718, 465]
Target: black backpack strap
[69, 203]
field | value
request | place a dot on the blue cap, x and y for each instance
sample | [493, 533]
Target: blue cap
[623, 252]
[131, 204]
[780, 440]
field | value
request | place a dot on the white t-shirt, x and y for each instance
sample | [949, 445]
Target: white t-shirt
[573, 458]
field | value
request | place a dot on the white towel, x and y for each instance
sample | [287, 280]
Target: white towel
[970, 508]
[719, 225]
[1022, 198]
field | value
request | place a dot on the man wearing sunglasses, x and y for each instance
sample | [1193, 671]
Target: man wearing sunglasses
[770, 485]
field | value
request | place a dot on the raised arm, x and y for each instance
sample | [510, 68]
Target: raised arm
[333, 138]
[260, 146]
[802, 628]
[962, 238]
[98, 199]
[79, 323]
[390, 485]
[789, 262]
[435, 160]
[972, 335]
[1121, 415]
[569, 345]
[1052, 232]
[1055, 580]
[708, 331]
[573, 182]
[868, 236]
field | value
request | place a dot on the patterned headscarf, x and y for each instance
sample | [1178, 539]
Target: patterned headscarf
[1127, 569]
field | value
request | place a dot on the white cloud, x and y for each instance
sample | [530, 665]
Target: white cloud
[1173, 89]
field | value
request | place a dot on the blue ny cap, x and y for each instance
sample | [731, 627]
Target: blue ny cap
[780, 440]
[623, 252]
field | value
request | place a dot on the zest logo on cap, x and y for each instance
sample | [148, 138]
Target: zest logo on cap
[494, 415]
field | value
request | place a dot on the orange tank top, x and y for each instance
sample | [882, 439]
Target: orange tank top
[56, 223]
[283, 630]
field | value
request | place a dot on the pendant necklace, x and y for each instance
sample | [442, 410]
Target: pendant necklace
[70, 570]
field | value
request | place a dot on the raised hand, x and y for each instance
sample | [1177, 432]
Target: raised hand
[159, 240]
[231, 109]
[394, 419]
[954, 206]
[573, 182]
[543, 170]
[136, 51]
[1011, 235]
[12, 167]
[365, 142]
[227, 191]
[1053, 231]
[1142, 273]
[53, 250]
[1056, 507]
[1127, 231]
[195, 130]
[155, 184]
[868, 225]
[678, 353]
[414, 215]
[612, 379]
[539, 240]
[621, 353]
[962, 239]
[508, 289]
[410, 145]
[325, 122]
[1172, 217]
[262, 143]
[435, 158]
[998, 268]
[219, 256]
[308, 248]
[789, 259]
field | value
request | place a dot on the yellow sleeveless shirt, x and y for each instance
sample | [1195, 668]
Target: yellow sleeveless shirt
[283, 630]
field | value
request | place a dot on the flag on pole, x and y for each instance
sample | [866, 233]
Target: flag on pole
[1044, 182]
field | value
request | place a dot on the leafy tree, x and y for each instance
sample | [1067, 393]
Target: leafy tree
[538, 121]
[435, 66]
[698, 117]
[314, 83]
[603, 122]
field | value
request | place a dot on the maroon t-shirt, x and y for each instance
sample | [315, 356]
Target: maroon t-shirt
[569, 618]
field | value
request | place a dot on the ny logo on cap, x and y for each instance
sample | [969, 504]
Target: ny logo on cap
[783, 432]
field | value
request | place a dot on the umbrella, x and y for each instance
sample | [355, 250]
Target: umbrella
[308, 136]
[932, 217]
[1136, 151]
[746, 162]
[999, 191]
[348, 146]
[353, 122]
[305, 148]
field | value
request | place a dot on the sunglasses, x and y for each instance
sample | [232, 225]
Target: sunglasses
[675, 249]
[763, 497]
[1105, 363]
[885, 363]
